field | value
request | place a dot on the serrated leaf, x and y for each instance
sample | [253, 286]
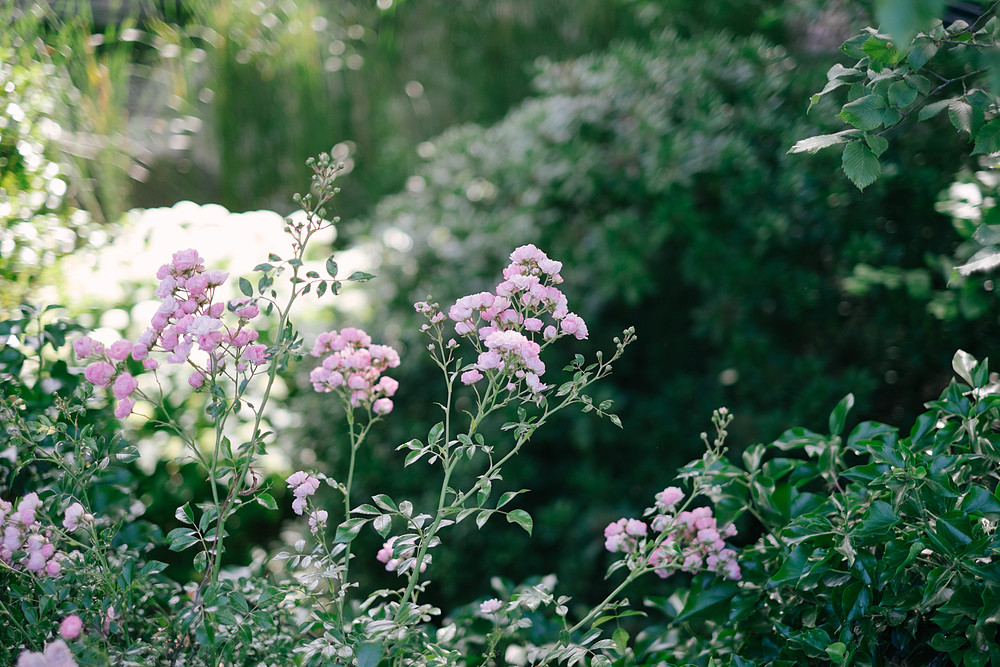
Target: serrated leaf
[818, 143]
[960, 113]
[901, 94]
[246, 287]
[984, 260]
[877, 143]
[883, 52]
[933, 109]
[922, 49]
[864, 113]
[988, 139]
[521, 518]
[860, 165]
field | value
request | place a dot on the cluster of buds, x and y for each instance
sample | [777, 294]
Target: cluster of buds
[353, 367]
[690, 541]
[188, 316]
[510, 326]
[22, 533]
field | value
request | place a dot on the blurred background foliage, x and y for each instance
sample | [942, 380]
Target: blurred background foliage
[643, 143]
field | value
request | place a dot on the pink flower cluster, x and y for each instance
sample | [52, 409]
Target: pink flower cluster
[302, 485]
[56, 654]
[405, 560]
[353, 366]
[187, 317]
[22, 532]
[510, 325]
[689, 541]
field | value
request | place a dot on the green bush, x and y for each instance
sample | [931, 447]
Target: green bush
[660, 175]
[878, 545]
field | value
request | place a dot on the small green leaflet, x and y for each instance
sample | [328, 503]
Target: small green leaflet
[860, 165]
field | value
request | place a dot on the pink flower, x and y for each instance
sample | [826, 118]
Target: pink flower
[573, 324]
[150, 364]
[86, 346]
[635, 528]
[491, 606]
[56, 654]
[124, 385]
[668, 497]
[255, 354]
[382, 406]
[318, 519]
[70, 627]
[74, 516]
[124, 408]
[53, 568]
[471, 376]
[184, 260]
[196, 379]
[26, 508]
[99, 373]
[216, 277]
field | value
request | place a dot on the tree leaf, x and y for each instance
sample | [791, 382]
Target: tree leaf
[984, 260]
[860, 165]
[369, 655]
[922, 49]
[838, 416]
[988, 138]
[267, 501]
[521, 518]
[819, 142]
[901, 94]
[864, 113]
[960, 113]
[331, 267]
[246, 287]
[933, 109]
[877, 143]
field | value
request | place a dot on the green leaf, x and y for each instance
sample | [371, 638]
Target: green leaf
[360, 276]
[348, 530]
[877, 522]
[793, 567]
[883, 52]
[981, 501]
[864, 113]
[860, 165]
[984, 260]
[901, 94]
[266, 500]
[331, 267]
[369, 655]
[877, 143]
[819, 142]
[960, 113]
[839, 415]
[964, 364]
[703, 603]
[922, 50]
[521, 518]
[185, 514]
[246, 287]
[180, 539]
[988, 138]
[933, 109]
[620, 638]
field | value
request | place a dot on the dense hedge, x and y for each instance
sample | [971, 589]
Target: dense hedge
[659, 176]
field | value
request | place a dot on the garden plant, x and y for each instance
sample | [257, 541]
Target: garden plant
[866, 545]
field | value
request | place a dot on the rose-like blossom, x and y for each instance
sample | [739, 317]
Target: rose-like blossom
[56, 654]
[668, 497]
[491, 606]
[70, 627]
[86, 346]
[99, 373]
[471, 376]
[74, 516]
[255, 354]
[382, 406]
[124, 385]
[124, 408]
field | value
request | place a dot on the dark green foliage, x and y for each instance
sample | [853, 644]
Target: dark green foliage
[879, 545]
[660, 177]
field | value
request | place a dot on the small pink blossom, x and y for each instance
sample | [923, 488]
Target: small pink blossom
[99, 373]
[491, 606]
[86, 346]
[382, 406]
[255, 354]
[70, 627]
[124, 408]
[471, 376]
[124, 385]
